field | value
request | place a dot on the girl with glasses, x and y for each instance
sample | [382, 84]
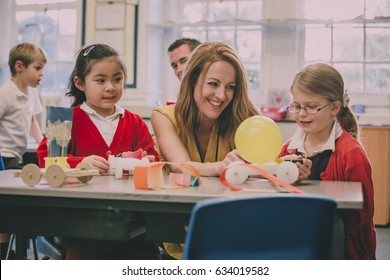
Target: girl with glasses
[328, 135]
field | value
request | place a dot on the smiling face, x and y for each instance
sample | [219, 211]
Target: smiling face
[319, 124]
[103, 86]
[178, 59]
[214, 90]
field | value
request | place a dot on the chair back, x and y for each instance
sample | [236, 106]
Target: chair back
[267, 228]
[2, 167]
[50, 249]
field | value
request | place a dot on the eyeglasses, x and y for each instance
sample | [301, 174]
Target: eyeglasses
[310, 110]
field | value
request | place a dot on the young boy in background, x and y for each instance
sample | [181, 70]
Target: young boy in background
[18, 107]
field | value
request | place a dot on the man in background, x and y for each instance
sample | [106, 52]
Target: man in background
[179, 52]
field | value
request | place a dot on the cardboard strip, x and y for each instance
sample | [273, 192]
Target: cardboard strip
[151, 176]
[180, 179]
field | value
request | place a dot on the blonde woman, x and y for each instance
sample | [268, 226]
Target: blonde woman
[213, 100]
[199, 129]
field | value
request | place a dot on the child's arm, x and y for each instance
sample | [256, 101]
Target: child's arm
[42, 152]
[35, 130]
[98, 163]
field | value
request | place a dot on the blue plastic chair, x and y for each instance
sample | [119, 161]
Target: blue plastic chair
[50, 249]
[2, 167]
[261, 228]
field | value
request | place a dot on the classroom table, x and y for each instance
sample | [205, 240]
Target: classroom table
[110, 209]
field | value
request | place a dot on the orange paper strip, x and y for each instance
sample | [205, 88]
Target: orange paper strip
[140, 175]
[151, 176]
[263, 173]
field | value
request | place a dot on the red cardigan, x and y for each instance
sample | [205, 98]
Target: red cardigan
[349, 162]
[131, 134]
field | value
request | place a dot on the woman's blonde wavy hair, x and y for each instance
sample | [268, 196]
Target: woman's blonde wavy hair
[240, 107]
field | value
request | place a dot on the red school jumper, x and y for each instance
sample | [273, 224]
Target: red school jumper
[131, 134]
[349, 162]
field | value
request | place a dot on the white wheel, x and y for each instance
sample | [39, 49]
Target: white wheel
[236, 174]
[31, 174]
[84, 166]
[287, 171]
[55, 175]
[118, 172]
[111, 163]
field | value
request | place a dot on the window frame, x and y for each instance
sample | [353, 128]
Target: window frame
[53, 63]
[363, 25]
[85, 39]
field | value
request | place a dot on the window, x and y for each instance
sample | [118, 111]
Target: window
[114, 23]
[51, 24]
[354, 39]
[228, 20]
[231, 21]
[275, 38]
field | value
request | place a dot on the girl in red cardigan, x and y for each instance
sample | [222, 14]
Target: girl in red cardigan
[100, 126]
[328, 136]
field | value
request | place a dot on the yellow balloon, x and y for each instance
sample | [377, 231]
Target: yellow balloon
[258, 139]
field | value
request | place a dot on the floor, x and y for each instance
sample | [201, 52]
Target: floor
[383, 243]
[382, 252]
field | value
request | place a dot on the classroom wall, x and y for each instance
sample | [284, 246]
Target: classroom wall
[6, 30]
[155, 80]
[7, 38]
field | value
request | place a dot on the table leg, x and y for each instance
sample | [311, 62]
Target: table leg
[20, 246]
[338, 239]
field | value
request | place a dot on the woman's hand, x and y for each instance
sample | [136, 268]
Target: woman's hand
[98, 163]
[230, 157]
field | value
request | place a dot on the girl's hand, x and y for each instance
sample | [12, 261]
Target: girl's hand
[151, 158]
[304, 169]
[98, 163]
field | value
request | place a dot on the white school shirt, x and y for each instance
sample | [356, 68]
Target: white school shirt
[106, 125]
[299, 137]
[16, 112]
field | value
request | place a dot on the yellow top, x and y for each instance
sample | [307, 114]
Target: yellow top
[215, 151]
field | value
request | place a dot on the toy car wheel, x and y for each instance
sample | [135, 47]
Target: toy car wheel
[55, 175]
[31, 174]
[84, 166]
[236, 174]
[287, 171]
